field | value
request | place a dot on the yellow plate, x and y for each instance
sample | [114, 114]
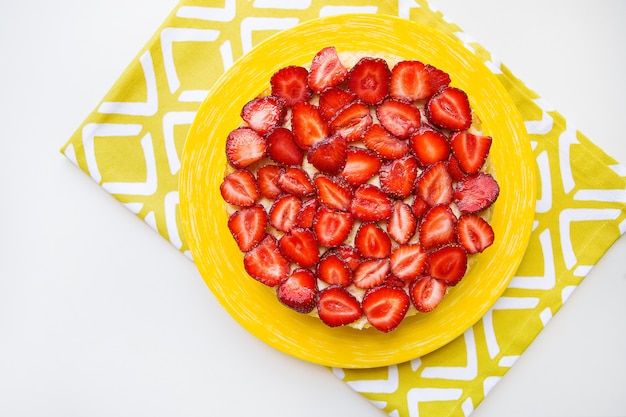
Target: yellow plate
[254, 305]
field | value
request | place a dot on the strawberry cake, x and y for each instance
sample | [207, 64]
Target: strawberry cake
[359, 188]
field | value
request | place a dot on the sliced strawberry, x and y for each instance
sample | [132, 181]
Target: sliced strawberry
[300, 246]
[429, 145]
[333, 269]
[437, 227]
[244, 146]
[361, 165]
[419, 207]
[400, 118]
[352, 121]
[379, 140]
[426, 293]
[449, 109]
[349, 254]
[240, 188]
[476, 192]
[282, 148]
[370, 203]
[434, 186]
[454, 169]
[470, 150]
[248, 226]
[408, 261]
[298, 291]
[265, 263]
[448, 264]
[337, 307]
[333, 192]
[267, 179]
[332, 227]
[332, 100]
[296, 181]
[372, 241]
[385, 307]
[329, 154]
[290, 84]
[413, 80]
[369, 80]
[393, 281]
[402, 223]
[307, 213]
[263, 113]
[371, 273]
[475, 233]
[284, 211]
[397, 177]
[326, 70]
[307, 124]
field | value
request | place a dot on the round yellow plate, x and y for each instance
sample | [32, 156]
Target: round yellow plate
[254, 305]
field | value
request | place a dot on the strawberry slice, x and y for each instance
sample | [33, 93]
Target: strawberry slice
[282, 148]
[240, 188]
[298, 291]
[454, 168]
[408, 261]
[290, 84]
[475, 233]
[333, 269]
[349, 254]
[393, 281]
[326, 70]
[379, 140]
[400, 118]
[300, 246]
[333, 192]
[248, 226]
[307, 124]
[448, 264]
[263, 113]
[267, 180]
[352, 121]
[244, 146]
[329, 154]
[470, 150]
[385, 307]
[397, 177]
[426, 293]
[476, 192]
[438, 227]
[449, 109]
[332, 100]
[332, 227]
[414, 80]
[419, 207]
[284, 211]
[371, 273]
[402, 223]
[370, 203]
[265, 263]
[369, 80]
[296, 181]
[361, 165]
[337, 307]
[306, 214]
[434, 186]
[372, 241]
[429, 145]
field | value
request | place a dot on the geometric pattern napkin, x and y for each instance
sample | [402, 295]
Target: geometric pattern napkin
[132, 142]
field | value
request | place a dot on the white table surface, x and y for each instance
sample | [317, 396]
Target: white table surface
[99, 316]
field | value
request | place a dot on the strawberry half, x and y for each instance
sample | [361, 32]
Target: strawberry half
[369, 203]
[263, 113]
[352, 121]
[429, 145]
[298, 291]
[248, 226]
[265, 263]
[306, 214]
[400, 118]
[296, 181]
[434, 186]
[426, 293]
[284, 212]
[385, 307]
[333, 192]
[475, 233]
[244, 146]
[438, 227]
[332, 100]
[402, 223]
[476, 192]
[239, 188]
[326, 70]
[333, 269]
[372, 241]
[267, 179]
[282, 147]
[449, 109]
[307, 124]
[329, 154]
[332, 227]
[371, 273]
[448, 264]
[397, 177]
[383, 143]
[369, 80]
[361, 165]
[414, 80]
[408, 261]
[300, 246]
[290, 84]
[470, 150]
[337, 307]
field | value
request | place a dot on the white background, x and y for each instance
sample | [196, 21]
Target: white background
[99, 316]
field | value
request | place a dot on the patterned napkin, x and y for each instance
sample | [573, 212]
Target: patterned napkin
[131, 145]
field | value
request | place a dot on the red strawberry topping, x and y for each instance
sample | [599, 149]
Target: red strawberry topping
[379, 140]
[400, 118]
[282, 148]
[306, 214]
[332, 227]
[333, 192]
[265, 263]
[371, 273]
[349, 254]
[426, 293]
[300, 246]
[361, 165]
[369, 203]
[476, 192]
[298, 291]
[284, 212]
[448, 264]
[419, 207]
[337, 307]
[333, 270]
[244, 146]
[326, 70]
[248, 226]
[470, 150]
[454, 169]
[413, 80]
[239, 188]
[290, 84]
[263, 113]
[332, 100]
[402, 224]
[475, 233]
[438, 227]
[352, 121]
[434, 186]
[372, 241]
[385, 307]
[449, 109]
[329, 154]
[429, 145]
[369, 80]
[408, 261]
[267, 180]
[397, 177]
[307, 124]
[297, 182]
